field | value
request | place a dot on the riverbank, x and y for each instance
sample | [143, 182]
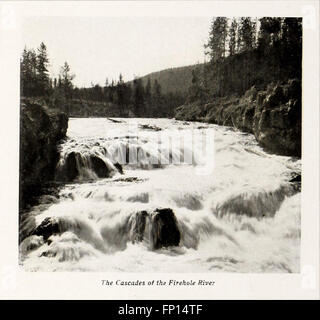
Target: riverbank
[272, 115]
[41, 129]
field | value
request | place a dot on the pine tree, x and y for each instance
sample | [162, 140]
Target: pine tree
[233, 37]
[197, 90]
[254, 25]
[148, 97]
[291, 39]
[24, 72]
[111, 90]
[148, 87]
[43, 84]
[120, 91]
[29, 72]
[291, 30]
[106, 89]
[127, 95]
[216, 46]
[157, 97]
[246, 34]
[65, 81]
[269, 32]
[138, 97]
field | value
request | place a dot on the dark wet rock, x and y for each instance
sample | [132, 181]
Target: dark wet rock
[73, 163]
[164, 229]
[41, 129]
[277, 123]
[68, 195]
[296, 178]
[275, 98]
[88, 194]
[149, 127]
[48, 254]
[138, 226]
[119, 167]
[293, 89]
[42, 196]
[47, 228]
[115, 121]
[70, 169]
[129, 179]
[99, 167]
[247, 118]
[160, 227]
[296, 182]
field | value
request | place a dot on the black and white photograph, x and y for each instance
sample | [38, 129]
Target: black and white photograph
[153, 144]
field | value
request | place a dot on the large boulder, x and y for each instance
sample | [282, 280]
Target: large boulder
[41, 129]
[75, 162]
[138, 225]
[160, 227]
[164, 229]
[48, 227]
[99, 167]
[70, 168]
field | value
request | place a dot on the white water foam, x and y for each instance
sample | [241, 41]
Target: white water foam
[244, 216]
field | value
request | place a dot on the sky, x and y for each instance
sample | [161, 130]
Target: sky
[97, 48]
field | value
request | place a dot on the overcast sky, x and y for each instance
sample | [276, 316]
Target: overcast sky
[98, 48]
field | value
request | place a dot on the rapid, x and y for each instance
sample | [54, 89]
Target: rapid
[142, 195]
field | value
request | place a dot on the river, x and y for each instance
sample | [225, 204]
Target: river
[231, 205]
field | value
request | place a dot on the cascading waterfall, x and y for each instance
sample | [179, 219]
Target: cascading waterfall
[134, 200]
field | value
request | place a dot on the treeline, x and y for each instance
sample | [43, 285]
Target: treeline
[243, 52]
[35, 81]
[120, 98]
[246, 52]
[133, 98]
[34, 74]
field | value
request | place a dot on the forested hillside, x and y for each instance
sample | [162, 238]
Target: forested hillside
[173, 79]
[253, 81]
[243, 55]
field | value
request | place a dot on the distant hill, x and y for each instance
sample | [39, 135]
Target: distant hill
[173, 79]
